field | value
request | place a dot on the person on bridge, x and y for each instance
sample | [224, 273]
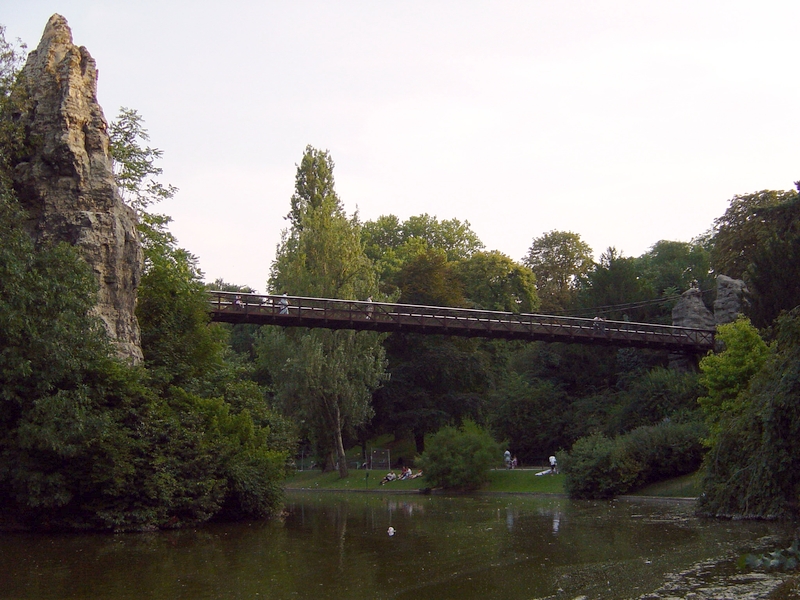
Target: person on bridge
[284, 304]
[370, 308]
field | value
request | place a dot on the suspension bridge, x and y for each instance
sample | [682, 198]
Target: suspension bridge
[298, 311]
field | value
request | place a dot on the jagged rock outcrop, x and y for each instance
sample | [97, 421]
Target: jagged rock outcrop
[690, 311]
[66, 182]
[731, 298]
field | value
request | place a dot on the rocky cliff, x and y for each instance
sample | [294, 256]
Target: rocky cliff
[66, 182]
[731, 299]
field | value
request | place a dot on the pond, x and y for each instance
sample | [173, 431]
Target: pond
[335, 545]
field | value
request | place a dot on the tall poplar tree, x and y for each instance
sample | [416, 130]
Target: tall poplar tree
[323, 378]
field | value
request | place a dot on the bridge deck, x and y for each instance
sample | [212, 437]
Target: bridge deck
[295, 311]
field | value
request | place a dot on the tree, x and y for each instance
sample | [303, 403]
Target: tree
[675, 266]
[223, 440]
[493, 281]
[746, 225]
[614, 288]
[773, 275]
[456, 238]
[393, 244]
[325, 378]
[429, 279]
[12, 101]
[531, 416]
[559, 259]
[313, 186]
[135, 169]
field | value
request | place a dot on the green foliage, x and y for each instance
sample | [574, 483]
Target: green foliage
[560, 260]
[89, 442]
[135, 169]
[745, 226]
[13, 101]
[321, 255]
[532, 416]
[727, 374]
[394, 245]
[323, 378]
[773, 276]
[435, 380]
[615, 281]
[12, 55]
[752, 469]
[313, 187]
[493, 281]
[429, 279]
[591, 470]
[601, 467]
[651, 396]
[460, 457]
[179, 347]
[675, 266]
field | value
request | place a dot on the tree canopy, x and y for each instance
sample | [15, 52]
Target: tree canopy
[560, 260]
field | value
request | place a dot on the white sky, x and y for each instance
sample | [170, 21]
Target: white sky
[627, 122]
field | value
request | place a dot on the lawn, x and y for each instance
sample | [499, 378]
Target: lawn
[521, 481]
[500, 480]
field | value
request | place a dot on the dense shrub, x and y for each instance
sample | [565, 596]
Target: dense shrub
[591, 468]
[601, 467]
[753, 466]
[460, 457]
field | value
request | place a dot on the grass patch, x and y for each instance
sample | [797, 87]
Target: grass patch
[520, 481]
[356, 480]
[500, 480]
[524, 481]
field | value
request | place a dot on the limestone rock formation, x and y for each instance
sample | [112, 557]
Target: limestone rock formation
[67, 185]
[731, 298]
[690, 311]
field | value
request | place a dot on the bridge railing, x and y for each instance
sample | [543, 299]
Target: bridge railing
[381, 316]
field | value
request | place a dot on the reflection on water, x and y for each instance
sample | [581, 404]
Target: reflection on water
[337, 546]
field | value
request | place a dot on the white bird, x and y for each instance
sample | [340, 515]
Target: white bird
[390, 531]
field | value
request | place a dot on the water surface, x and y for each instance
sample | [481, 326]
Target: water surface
[333, 545]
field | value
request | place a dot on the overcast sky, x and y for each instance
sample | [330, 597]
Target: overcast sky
[627, 122]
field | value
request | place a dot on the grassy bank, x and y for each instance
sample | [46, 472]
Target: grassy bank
[521, 481]
[501, 480]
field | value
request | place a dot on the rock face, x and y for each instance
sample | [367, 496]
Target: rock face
[690, 311]
[731, 297]
[66, 183]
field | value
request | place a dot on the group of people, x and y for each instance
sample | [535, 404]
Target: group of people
[510, 461]
[406, 473]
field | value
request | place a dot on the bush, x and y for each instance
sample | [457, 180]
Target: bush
[600, 467]
[752, 469]
[460, 458]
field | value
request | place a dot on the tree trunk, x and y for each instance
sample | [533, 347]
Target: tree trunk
[419, 441]
[337, 433]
